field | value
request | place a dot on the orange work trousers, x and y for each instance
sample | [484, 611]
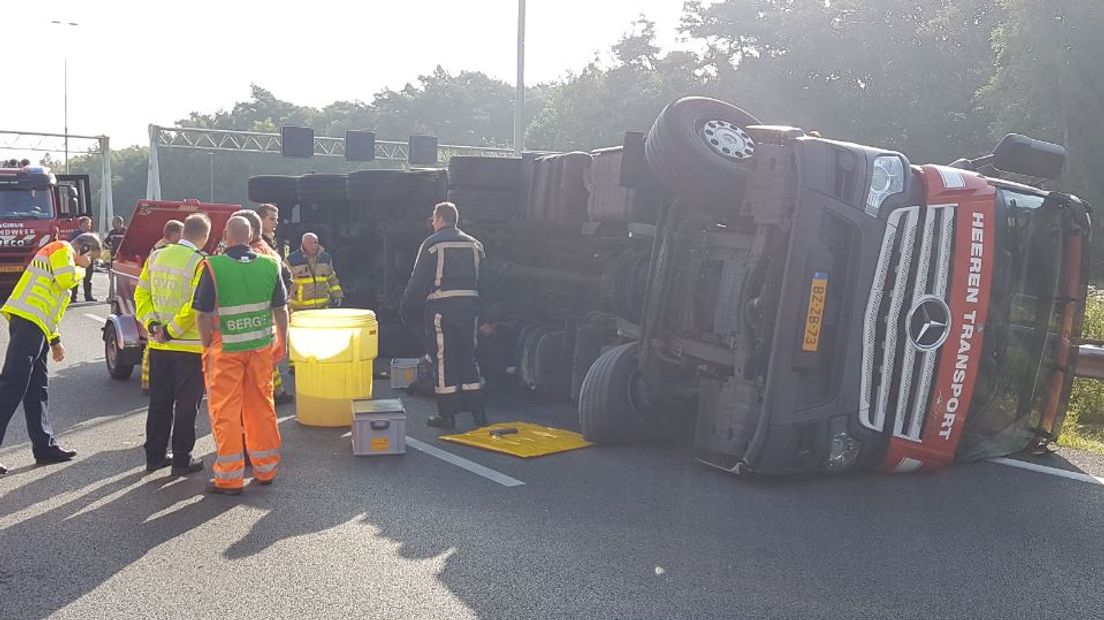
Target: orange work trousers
[239, 400]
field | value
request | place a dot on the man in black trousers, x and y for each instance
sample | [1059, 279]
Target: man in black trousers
[84, 226]
[444, 289]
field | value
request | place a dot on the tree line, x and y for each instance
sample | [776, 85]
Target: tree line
[935, 79]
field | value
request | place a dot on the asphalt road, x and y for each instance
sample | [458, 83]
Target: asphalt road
[637, 532]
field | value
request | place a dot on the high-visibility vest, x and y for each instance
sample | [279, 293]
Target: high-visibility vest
[314, 281]
[243, 289]
[42, 294]
[164, 295]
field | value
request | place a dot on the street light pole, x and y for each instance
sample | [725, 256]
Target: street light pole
[65, 79]
[519, 97]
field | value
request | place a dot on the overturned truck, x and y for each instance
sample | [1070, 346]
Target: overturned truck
[807, 305]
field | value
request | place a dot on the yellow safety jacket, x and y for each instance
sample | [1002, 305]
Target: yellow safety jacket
[42, 294]
[314, 282]
[164, 296]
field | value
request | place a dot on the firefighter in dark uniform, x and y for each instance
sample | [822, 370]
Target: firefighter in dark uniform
[444, 289]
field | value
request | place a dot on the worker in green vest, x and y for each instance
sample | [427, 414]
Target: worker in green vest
[241, 306]
[163, 301]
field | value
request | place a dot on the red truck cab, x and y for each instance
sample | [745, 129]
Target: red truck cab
[124, 337]
[36, 207]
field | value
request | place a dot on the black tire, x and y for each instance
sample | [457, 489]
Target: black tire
[484, 205]
[115, 368]
[323, 189]
[283, 191]
[488, 173]
[700, 152]
[589, 340]
[527, 364]
[549, 368]
[374, 192]
[606, 411]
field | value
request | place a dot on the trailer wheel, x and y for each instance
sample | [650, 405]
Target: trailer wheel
[115, 368]
[701, 152]
[607, 411]
[282, 191]
[527, 362]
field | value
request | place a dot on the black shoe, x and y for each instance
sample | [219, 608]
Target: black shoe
[217, 490]
[3, 469]
[284, 398]
[264, 483]
[191, 467]
[441, 422]
[156, 465]
[90, 299]
[58, 455]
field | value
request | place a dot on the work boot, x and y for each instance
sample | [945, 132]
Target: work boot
[217, 490]
[159, 464]
[439, 421]
[3, 469]
[283, 398]
[191, 467]
[473, 402]
[56, 455]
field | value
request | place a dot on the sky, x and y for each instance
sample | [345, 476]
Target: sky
[135, 63]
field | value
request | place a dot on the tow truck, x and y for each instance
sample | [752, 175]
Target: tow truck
[36, 207]
[124, 336]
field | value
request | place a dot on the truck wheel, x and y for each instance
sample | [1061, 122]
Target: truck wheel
[322, 189]
[588, 347]
[701, 152]
[527, 363]
[374, 192]
[607, 414]
[280, 190]
[549, 368]
[116, 369]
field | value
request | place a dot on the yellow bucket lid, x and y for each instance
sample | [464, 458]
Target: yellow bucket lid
[342, 318]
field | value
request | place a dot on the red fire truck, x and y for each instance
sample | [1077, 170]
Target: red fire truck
[36, 207]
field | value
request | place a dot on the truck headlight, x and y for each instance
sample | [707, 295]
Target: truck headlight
[887, 180]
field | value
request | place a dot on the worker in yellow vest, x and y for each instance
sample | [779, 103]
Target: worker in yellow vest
[34, 311]
[170, 235]
[163, 301]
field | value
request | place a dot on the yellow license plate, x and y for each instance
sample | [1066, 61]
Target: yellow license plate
[814, 319]
[11, 268]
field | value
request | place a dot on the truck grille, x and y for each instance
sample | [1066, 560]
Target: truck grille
[914, 264]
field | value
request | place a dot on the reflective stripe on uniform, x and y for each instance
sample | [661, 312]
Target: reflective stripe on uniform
[243, 308]
[264, 454]
[471, 387]
[450, 294]
[230, 458]
[230, 475]
[440, 353]
[264, 469]
[247, 336]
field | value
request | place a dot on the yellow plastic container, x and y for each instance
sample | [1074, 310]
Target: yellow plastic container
[333, 351]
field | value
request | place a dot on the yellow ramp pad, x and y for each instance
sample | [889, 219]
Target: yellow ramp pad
[520, 439]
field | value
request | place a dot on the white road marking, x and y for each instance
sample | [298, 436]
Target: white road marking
[1053, 471]
[96, 318]
[463, 463]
